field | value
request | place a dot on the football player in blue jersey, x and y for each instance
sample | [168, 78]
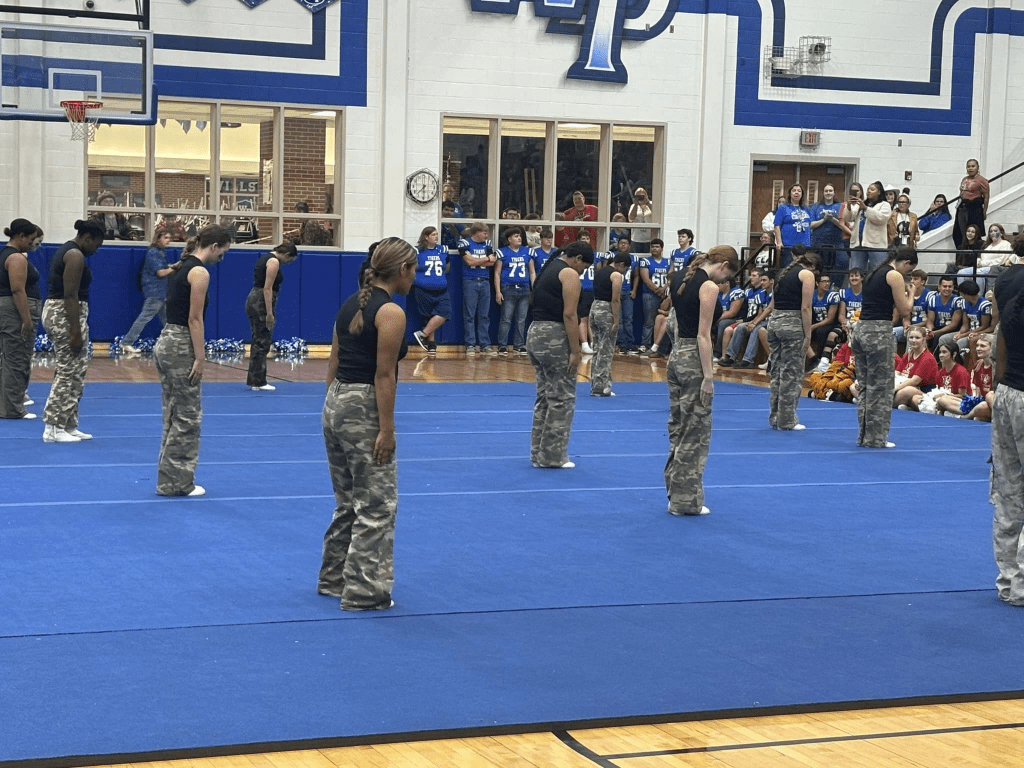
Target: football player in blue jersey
[477, 260]
[653, 274]
[945, 313]
[430, 291]
[540, 256]
[512, 290]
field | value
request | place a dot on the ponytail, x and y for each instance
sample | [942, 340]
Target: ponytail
[720, 254]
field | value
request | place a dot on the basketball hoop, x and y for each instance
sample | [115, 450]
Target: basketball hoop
[83, 125]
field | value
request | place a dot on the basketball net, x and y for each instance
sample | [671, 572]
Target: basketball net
[83, 124]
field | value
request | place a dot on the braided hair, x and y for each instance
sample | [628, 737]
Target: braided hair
[717, 255]
[903, 253]
[801, 258]
[386, 259]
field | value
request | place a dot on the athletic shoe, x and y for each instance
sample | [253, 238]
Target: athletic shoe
[890, 445]
[488, 351]
[567, 465]
[716, 358]
[76, 432]
[431, 348]
[264, 388]
[726, 362]
[470, 350]
[799, 427]
[389, 603]
[703, 511]
[632, 351]
[52, 434]
[522, 351]
[763, 366]
[586, 348]
[902, 408]
[30, 416]
[29, 401]
[197, 491]
[743, 364]
[606, 393]
[823, 365]
[502, 350]
[421, 339]
[950, 414]
[643, 349]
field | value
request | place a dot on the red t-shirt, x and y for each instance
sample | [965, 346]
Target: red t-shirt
[957, 381]
[567, 234]
[924, 366]
[982, 379]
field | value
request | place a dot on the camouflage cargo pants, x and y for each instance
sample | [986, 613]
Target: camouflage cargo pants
[873, 348]
[61, 409]
[1008, 492]
[604, 348]
[262, 337]
[786, 339]
[689, 430]
[182, 409]
[358, 555]
[15, 357]
[555, 406]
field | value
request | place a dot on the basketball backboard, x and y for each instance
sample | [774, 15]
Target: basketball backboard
[42, 65]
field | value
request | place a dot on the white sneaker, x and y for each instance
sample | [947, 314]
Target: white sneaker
[823, 365]
[54, 435]
[264, 388]
[29, 401]
[704, 511]
[902, 408]
[76, 432]
[798, 427]
[763, 366]
[129, 351]
[568, 465]
[950, 414]
[197, 491]
[30, 416]
[586, 348]
[890, 445]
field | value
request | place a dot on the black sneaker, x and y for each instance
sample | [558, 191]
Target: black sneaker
[742, 364]
[421, 339]
[502, 350]
[431, 348]
[726, 362]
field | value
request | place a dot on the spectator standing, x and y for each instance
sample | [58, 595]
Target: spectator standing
[430, 289]
[153, 278]
[792, 224]
[114, 225]
[512, 291]
[477, 259]
[541, 255]
[974, 197]
[653, 273]
[903, 225]
[681, 256]
[641, 212]
[868, 220]
[580, 211]
[827, 233]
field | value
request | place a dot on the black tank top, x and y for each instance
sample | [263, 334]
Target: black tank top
[259, 274]
[603, 284]
[878, 302]
[55, 287]
[1008, 289]
[31, 277]
[789, 293]
[687, 305]
[179, 293]
[547, 293]
[357, 355]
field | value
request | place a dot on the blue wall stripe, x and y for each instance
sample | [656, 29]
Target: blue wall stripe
[314, 50]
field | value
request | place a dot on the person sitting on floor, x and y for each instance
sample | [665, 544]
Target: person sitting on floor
[977, 404]
[953, 378]
[838, 382]
[916, 372]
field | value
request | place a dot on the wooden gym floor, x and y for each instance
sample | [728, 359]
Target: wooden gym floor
[985, 734]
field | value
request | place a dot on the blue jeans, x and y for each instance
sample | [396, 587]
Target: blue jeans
[626, 338]
[747, 339]
[840, 266]
[476, 309]
[724, 323]
[875, 258]
[515, 300]
[150, 309]
[651, 303]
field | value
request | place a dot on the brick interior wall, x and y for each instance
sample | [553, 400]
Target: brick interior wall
[175, 190]
[304, 162]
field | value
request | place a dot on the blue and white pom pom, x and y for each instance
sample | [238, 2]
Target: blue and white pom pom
[43, 344]
[290, 349]
[225, 349]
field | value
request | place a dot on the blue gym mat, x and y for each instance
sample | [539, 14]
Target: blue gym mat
[137, 625]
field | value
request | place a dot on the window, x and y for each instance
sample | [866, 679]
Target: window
[536, 171]
[274, 177]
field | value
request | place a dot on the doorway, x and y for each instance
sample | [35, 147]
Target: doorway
[771, 180]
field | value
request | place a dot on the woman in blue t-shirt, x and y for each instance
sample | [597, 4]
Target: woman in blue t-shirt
[792, 224]
[936, 216]
[827, 232]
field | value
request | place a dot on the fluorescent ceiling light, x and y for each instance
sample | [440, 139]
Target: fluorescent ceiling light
[170, 170]
[323, 113]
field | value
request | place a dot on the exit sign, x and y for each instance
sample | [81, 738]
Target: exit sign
[810, 139]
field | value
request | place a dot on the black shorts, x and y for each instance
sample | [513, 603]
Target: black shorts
[585, 303]
[431, 302]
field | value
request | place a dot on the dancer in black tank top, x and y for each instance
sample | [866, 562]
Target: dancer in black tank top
[604, 322]
[789, 335]
[180, 353]
[66, 322]
[553, 344]
[261, 309]
[693, 296]
[874, 345]
[19, 280]
[359, 431]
